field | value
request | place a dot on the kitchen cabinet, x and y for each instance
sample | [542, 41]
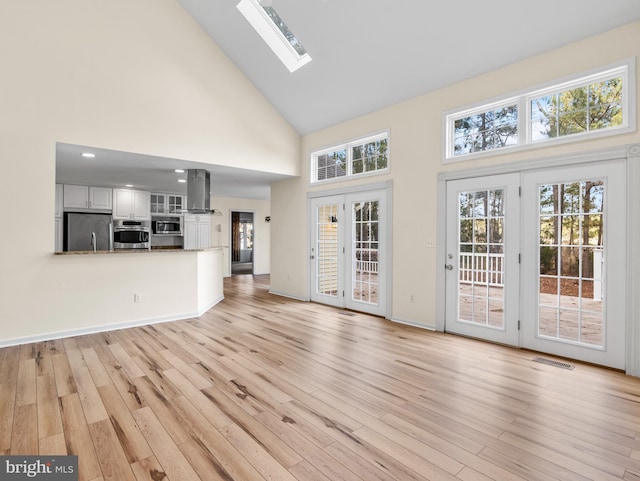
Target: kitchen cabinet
[131, 204]
[197, 231]
[166, 203]
[86, 197]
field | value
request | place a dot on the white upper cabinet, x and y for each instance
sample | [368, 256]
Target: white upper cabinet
[166, 203]
[131, 204]
[85, 197]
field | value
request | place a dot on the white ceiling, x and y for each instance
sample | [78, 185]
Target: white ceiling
[369, 54]
[112, 168]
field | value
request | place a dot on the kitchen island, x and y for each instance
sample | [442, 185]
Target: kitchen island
[106, 290]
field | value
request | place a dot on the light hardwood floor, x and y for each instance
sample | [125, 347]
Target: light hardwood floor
[267, 388]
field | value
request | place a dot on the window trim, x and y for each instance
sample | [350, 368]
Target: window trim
[625, 69]
[348, 145]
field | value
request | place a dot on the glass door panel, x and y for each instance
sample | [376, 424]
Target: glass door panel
[364, 262]
[481, 257]
[571, 221]
[327, 255]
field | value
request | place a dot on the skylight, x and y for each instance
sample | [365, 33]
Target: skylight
[266, 21]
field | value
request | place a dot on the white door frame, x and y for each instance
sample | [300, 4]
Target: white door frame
[630, 153]
[387, 238]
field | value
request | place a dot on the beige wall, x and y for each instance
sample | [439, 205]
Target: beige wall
[416, 158]
[132, 76]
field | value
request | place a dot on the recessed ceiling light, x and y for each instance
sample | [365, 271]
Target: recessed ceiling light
[129, 185]
[182, 180]
[179, 171]
[88, 155]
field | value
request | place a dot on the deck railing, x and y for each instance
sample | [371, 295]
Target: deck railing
[482, 268]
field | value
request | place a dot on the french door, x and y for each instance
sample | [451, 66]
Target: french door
[348, 251]
[574, 272]
[482, 258]
[545, 270]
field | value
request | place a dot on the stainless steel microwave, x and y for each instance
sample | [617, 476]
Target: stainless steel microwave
[166, 226]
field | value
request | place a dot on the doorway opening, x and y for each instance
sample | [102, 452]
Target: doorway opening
[241, 243]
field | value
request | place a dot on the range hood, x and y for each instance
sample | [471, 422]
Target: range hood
[199, 191]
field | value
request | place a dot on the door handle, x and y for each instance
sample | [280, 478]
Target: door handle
[448, 267]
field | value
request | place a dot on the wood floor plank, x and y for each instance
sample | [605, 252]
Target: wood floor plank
[126, 363]
[255, 454]
[202, 403]
[43, 358]
[243, 418]
[24, 440]
[98, 372]
[7, 412]
[221, 453]
[112, 459]
[49, 419]
[174, 464]
[77, 436]
[65, 383]
[26, 389]
[186, 370]
[318, 458]
[133, 443]
[149, 469]
[164, 409]
[53, 445]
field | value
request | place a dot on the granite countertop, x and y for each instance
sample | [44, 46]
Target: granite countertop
[136, 251]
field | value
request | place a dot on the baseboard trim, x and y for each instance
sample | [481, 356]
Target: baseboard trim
[211, 304]
[281, 294]
[412, 324]
[104, 328]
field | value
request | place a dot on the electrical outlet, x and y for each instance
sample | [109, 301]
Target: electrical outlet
[137, 298]
[412, 298]
[430, 243]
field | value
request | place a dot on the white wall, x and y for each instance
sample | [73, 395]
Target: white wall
[132, 76]
[416, 128]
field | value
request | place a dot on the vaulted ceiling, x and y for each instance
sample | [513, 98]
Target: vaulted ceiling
[369, 54]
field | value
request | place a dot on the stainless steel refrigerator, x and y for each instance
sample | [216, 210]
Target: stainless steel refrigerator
[87, 232]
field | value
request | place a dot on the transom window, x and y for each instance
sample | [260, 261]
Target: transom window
[359, 157]
[592, 105]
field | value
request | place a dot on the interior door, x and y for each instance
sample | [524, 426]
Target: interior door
[482, 279]
[349, 250]
[574, 270]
